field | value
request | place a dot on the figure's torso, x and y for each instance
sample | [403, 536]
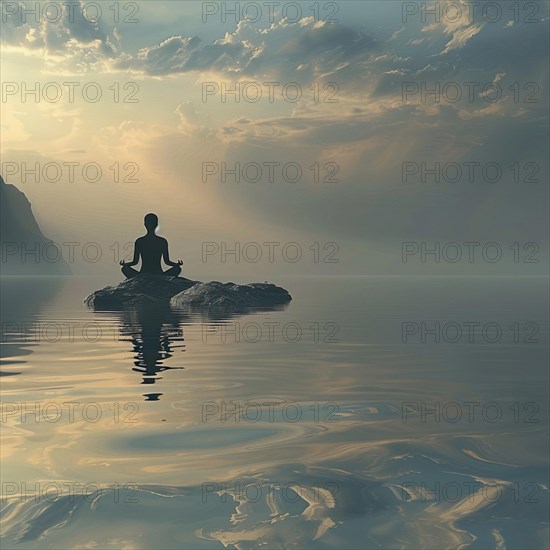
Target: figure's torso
[151, 248]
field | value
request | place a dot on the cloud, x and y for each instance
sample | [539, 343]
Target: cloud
[191, 122]
[461, 37]
[461, 22]
[67, 37]
[291, 51]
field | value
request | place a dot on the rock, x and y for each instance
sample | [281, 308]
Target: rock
[230, 297]
[185, 294]
[139, 291]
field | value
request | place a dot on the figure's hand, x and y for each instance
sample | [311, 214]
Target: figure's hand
[122, 262]
[180, 262]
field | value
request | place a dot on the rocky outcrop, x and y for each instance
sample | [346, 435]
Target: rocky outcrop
[25, 249]
[188, 295]
[139, 291]
[230, 297]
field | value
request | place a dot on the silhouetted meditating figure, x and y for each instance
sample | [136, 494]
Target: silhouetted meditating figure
[151, 248]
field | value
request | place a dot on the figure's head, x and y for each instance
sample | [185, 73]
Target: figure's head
[151, 222]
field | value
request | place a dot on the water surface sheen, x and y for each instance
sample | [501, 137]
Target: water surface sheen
[338, 422]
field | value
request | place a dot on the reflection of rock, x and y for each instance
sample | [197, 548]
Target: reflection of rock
[230, 298]
[25, 249]
[189, 295]
[151, 309]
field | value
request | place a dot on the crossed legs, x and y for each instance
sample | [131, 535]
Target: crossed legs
[130, 272]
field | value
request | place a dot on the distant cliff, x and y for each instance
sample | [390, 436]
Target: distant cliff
[24, 248]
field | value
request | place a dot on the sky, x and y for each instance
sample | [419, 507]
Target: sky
[344, 112]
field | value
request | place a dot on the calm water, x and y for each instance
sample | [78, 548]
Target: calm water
[337, 422]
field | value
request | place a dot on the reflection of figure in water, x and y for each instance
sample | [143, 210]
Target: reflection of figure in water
[154, 334]
[151, 248]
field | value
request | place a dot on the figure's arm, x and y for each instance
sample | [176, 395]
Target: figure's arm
[166, 256]
[137, 253]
